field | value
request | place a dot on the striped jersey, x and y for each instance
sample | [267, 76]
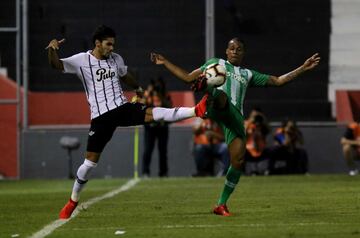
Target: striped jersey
[101, 80]
[237, 81]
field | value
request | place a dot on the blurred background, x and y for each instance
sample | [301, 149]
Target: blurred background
[39, 105]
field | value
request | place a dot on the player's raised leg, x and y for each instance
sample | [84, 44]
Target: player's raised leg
[169, 114]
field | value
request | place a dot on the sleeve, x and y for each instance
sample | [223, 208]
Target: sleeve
[349, 134]
[122, 68]
[279, 136]
[209, 62]
[72, 63]
[258, 79]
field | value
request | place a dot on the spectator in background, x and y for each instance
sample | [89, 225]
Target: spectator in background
[156, 95]
[287, 156]
[209, 148]
[351, 146]
[256, 155]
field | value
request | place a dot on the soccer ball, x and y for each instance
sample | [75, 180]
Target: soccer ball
[215, 75]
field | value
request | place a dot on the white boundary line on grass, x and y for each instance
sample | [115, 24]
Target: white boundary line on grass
[251, 225]
[48, 229]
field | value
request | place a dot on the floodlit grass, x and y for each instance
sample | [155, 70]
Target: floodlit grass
[284, 206]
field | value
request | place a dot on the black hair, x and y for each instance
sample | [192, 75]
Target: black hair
[238, 39]
[256, 108]
[259, 119]
[102, 32]
[287, 120]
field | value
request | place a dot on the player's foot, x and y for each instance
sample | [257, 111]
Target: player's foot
[68, 209]
[221, 210]
[200, 108]
[199, 84]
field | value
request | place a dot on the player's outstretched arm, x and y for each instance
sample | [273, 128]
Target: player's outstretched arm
[53, 57]
[309, 64]
[130, 80]
[174, 69]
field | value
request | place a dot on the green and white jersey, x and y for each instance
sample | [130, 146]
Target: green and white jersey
[237, 81]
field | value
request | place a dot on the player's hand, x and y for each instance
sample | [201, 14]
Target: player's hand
[199, 84]
[311, 62]
[157, 58]
[54, 44]
[136, 99]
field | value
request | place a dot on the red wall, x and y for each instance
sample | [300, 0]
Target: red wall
[58, 108]
[8, 136]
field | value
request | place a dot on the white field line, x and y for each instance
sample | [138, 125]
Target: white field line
[48, 229]
[252, 225]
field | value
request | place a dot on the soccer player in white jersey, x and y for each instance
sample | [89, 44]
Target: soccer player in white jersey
[100, 70]
[225, 103]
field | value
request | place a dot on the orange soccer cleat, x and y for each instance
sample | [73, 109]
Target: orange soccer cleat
[68, 209]
[221, 210]
[201, 107]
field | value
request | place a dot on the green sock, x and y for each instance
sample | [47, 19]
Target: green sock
[232, 178]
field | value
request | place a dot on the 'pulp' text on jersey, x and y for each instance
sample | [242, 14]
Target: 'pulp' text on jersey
[104, 74]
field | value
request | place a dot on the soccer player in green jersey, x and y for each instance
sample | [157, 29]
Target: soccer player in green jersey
[225, 103]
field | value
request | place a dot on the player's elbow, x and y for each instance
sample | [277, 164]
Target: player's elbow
[52, 64]
[276, 81]
[187, 78]
[56, 65]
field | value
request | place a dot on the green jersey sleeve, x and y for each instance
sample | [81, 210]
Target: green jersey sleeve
[258, 79]
[209, 62]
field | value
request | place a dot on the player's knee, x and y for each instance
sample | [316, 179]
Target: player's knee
[93, 156]
[237, 162]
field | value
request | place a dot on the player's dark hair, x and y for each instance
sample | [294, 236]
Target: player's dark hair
[258, 109]
[287, 120]
[238, 39]
[258, 119]
[102, 32]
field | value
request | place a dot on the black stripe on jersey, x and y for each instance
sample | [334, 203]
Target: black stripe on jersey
[84, 83]
[112, 84]
[92, 77]
[117, 69]
[103, 83]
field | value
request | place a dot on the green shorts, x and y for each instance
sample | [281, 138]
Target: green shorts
[230, 119]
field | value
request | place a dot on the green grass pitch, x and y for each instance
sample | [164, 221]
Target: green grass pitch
[274, 206]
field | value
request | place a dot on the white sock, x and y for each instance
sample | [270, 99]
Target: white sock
[172, 114]
[82, 177]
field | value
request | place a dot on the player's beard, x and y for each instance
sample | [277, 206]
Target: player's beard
[106, 54]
